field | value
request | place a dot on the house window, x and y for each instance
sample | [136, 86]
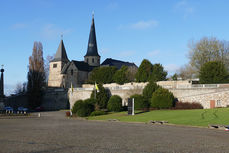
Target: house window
[93, 60]
[87, 60]
[218, 103]
[71, 71]
[98, 61]
[54, 65]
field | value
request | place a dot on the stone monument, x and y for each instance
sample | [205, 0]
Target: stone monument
[2, 83]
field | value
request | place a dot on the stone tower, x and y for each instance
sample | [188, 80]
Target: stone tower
[92, 57]
[56, 79]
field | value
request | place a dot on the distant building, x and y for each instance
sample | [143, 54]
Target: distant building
[65, 73]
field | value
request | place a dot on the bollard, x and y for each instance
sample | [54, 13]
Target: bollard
[39, 114]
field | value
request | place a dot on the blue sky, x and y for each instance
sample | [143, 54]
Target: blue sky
[129, 30]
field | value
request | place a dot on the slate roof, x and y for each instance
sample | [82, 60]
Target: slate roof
[81, 66]
[61, 54]
[116, 63]
[92, 44]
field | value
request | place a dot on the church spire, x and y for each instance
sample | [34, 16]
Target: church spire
[61, 54]
[92, 45]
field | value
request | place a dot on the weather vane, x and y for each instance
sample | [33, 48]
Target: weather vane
[61, 36]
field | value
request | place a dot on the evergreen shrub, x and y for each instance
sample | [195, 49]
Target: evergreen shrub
[162, 99]
[139, 102]
[115, 103]
[76, 106]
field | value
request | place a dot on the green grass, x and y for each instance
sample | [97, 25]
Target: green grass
[197, 117]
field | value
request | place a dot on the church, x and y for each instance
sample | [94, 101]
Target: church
[64, 73]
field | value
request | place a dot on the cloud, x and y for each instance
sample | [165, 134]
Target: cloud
[112, 6]
[153, 53]
[51, 31]
[104, 51]
[127, 53]
[19, 26]
[171, 68]
[141, 25]
[184, 7]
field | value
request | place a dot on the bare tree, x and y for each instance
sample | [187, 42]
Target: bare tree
[46, 66]
[36, 76]
[206, 50]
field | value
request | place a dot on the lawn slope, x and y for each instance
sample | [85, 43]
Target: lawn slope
[198, 117]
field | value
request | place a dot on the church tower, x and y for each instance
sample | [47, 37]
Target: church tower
[92, 57]
[56, 79]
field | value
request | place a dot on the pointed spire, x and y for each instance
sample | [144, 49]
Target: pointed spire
[61, 54]
[92, 45]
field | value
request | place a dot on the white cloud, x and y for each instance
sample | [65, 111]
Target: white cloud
[171, 68]
[141, 25]
[112, 6]
[153, 53]
[145, 24]
[127, 53]
[184, 7]
[104, 51]
[19, 26]
[51, 31]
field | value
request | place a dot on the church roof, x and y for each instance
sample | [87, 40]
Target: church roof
[80, 65]
[116, 63]
[61, 54]
[92, 45]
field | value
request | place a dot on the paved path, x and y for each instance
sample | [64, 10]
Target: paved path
[53, 132]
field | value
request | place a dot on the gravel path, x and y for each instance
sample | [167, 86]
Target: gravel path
[53, 132]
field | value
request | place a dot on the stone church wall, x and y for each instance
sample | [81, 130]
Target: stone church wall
[75, 77]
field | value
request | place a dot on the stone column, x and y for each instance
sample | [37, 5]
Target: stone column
[2, 84]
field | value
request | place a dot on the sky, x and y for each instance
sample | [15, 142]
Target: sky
[128, 30]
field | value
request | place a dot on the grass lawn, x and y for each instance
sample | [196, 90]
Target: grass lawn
[197, 117]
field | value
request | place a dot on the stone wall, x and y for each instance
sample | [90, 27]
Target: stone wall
[183, 90]
[55, 99]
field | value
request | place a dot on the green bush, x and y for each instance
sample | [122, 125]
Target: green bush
[76, 106]
[102, 97]
[120, 76]
[149, 89]
[162, 98]
[83, 108]
[139, 102]
[115, 103]
[97, 113]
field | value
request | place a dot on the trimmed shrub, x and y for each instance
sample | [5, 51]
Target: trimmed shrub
[97, 113]
[187, 105]
[115, 103]
[85, 108]
[139, 102]
[76, 106]
[162, 98]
